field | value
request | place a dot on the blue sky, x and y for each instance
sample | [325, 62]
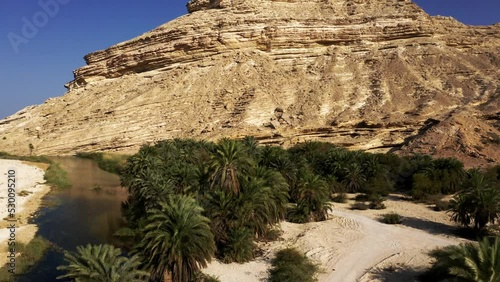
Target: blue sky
[43, 63]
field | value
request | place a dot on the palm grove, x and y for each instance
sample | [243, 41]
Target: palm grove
[190, 201]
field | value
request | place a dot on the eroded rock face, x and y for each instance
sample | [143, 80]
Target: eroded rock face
[373, 75]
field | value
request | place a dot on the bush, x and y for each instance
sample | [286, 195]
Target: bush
[376, 205]
[56, 176]
[292, 266]
[271, 235]
[240, 246]
[202, 277]
[376, 202]
[108, 162]
[391, 218]
[296, 215]
[359, 206]
[340, 198]
[441, 205]
[362, 198]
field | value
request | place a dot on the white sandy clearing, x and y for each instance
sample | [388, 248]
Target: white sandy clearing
[355, 246]
[29, 178]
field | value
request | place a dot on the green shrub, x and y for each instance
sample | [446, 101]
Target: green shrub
[56, 176]
[202, 277]
[362, 198]
[297, 215]
[441, 205]
[108, 162]
[240, 246]
[340, 198]
[376, 205]
[376, 202]
[292, 266]
[391, 218]
[359, 206]
[272, 235]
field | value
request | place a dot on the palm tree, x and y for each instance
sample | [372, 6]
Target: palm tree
[102, 263]
[251, 144]
[479, 202]
[177, 240]
[186, 178]
[461, 207]
[220, 207]
[229, 162]
[277, 158]
[312, 198]
[469, 262]
[354, 179]
[449, 172]
[260, 204]
[262, 201]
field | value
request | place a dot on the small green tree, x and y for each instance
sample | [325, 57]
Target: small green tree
[292, 266]
[31, 147]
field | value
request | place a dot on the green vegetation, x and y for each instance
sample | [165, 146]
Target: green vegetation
[477, 203]
[177, 240]
[56, 176]
[359, 206]
[192, 200]
[102, 263]
[292, 266]
[30, 255]
[113, 163]
[35, 159]
[242, 199]
[467, 262]
[391, 218]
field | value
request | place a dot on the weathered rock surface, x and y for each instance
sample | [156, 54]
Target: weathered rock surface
[368, 74]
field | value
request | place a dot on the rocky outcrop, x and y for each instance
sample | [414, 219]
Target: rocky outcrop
[374, 75]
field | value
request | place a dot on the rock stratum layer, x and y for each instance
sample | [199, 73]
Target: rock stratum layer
[367, 74]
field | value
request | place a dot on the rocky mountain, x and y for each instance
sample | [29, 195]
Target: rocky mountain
[375, 75]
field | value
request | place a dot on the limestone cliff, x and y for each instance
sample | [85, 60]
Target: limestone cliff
[367, 74]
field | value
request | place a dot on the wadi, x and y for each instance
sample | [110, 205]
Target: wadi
[297, 140]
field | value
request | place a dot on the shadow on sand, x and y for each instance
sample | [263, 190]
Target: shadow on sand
[428, 226]
[396, 274]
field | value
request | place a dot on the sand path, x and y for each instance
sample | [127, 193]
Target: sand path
[354, 245]
[379, 242]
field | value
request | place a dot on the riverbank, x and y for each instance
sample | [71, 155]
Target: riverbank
[30, 189]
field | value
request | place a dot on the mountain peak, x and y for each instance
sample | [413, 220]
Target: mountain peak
[371, 75]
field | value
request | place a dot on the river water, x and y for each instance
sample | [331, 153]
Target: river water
[88, 212]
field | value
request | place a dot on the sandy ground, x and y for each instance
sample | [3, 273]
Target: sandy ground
[29, 178]
[355, 246]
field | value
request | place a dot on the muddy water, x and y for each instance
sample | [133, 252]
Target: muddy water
[88, 212]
